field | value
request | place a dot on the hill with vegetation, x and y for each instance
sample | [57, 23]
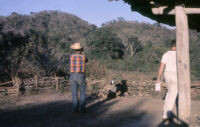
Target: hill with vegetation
[39, 43]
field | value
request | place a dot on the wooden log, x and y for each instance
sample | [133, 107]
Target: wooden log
[43, 82]
[30, 83]
[183, 65]
[36, 81]
[192, 10]
[13, 90]
[96, 81]
[52, 78]
[57, 83]
[164, 10]
[2, 90]
[6, 83]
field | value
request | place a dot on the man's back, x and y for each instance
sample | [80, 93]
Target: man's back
[77, 63]
[169, 59]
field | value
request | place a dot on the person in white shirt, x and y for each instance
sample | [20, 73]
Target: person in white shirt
[168, 65]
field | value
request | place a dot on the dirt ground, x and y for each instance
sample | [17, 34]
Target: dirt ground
[53, 109]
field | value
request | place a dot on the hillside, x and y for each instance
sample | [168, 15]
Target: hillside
[40, 44]
[147, 33]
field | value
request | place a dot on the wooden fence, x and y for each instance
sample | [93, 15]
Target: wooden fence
[57, 83]
[47, 82]
[37, 82]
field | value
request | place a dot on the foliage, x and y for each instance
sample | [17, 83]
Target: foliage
[194, 57]
[40, 44]
[147, 60]
[95, 70]
[13, 45]
[156, 34]
[134, 45]
[104, 44]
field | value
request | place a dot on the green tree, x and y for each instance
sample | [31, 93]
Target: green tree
[102, 43]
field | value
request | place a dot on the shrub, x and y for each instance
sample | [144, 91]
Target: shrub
[95, 70]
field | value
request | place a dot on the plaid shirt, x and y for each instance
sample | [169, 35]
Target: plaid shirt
[77, 63]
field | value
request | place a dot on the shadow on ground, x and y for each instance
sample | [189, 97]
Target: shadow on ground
[59, 114]
[173, 122]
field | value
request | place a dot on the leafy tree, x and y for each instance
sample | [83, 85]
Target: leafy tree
[134, 45]
[40, 44]
[13, 46]
[104, 44]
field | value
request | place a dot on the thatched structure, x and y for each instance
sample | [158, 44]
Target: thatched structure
[183, 14]
[146, 7]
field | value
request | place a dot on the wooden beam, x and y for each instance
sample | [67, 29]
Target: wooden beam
[6, 83]
[163, 11]
[183, 65]
[170, 11]
[192, 10]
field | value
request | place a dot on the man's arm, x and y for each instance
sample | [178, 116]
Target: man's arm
[86, 59]
[160, 71]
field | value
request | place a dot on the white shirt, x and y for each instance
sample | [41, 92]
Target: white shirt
[169, 59]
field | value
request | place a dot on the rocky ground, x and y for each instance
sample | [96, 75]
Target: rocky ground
[53, 109]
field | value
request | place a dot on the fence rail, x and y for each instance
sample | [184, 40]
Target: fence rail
[9, 82]
[37, 82]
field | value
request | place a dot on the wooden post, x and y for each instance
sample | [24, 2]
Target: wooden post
[183, 65]
[57, 87]
[140, 88]
[36, 81]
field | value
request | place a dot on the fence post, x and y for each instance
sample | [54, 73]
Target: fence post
[36, 81]
[57, 82]
[140, 87]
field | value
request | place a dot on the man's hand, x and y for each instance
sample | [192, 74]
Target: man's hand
[160, 71]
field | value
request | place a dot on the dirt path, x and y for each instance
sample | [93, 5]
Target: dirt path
[54, 110]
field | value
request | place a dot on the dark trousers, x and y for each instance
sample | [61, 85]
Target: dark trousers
[78, 83]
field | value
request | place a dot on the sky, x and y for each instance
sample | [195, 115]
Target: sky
[94, 11]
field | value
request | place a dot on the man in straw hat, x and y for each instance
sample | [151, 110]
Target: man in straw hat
[77, 77]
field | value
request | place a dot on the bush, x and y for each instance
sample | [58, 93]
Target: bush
[95, 70]
[105, 44]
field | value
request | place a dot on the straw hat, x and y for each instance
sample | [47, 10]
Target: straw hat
[76, 46]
